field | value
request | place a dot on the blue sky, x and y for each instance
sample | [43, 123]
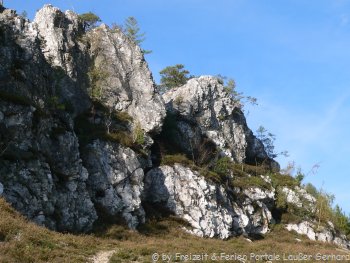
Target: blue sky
[292, 55]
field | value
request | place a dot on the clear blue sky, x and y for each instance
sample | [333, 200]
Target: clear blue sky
[293, 55]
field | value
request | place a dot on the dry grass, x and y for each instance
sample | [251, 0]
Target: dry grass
[22, 241]
[167, 238]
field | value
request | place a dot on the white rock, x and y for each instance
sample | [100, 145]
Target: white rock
[205, 205]
[303, 228]
[115, 180]
[216, 115]
[292, 197]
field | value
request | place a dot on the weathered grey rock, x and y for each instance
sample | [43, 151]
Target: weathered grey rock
[41, 171]
[127, 84]
[59, 31]
[303, 228]
[299, 197]
[59, 34]
[324, 234]
[207, 206]
[115, 181]
[57, 181]
[21, 63]
[45, 64]
[342, 242]
[206, 109]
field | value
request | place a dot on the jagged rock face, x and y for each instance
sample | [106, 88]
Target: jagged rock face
[41, 171]
[206, 109]
[43, 65]
[58, 34]
[124, 80]
[210, 208]
[23, 70]
[127, 84]
[115, 181]
[59, 31]
[57, 181]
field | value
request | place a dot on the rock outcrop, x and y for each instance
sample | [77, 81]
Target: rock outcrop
[41, 170]
[79, 113]
[45, 83]
[211, 208]
[127, 84]
[205, 109]
[115, 181]
[59, 35]
[323, 234]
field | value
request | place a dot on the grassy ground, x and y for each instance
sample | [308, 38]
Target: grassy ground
[22, 241]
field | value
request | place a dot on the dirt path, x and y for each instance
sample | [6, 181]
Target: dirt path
[102, 256]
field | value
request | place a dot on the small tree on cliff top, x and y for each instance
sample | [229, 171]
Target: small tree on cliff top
[173, 76]
[89, 20]
[132, 30]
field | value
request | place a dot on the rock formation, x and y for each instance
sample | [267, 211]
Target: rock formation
[210, 208]
[80, 119]
[44, 86]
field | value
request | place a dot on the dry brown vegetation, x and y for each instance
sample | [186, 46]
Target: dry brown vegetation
[23, 241]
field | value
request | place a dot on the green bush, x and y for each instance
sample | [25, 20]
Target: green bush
[138, 134]
[341, 221]
[122, 117]
[97, 77]
[278, 179]
[122, 137]
[178, 100]
[223, 166]
[212, 176]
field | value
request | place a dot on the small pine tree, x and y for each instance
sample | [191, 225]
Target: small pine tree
[132, 30]
[268, 140]
[173, 76]
[89, 20]
[299, 176]
[230, 88]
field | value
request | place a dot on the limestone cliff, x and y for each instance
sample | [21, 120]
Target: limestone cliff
[84, 137]
[45, 101]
